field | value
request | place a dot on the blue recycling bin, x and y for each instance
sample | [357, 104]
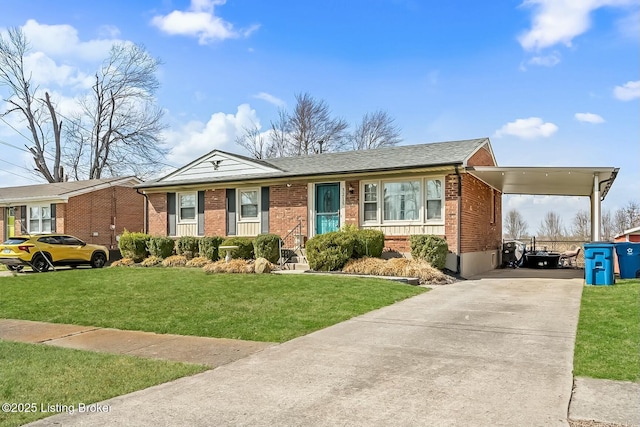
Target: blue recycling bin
[628, 259]
[598, 263]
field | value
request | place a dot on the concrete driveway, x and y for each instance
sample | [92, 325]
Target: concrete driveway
[493, 351]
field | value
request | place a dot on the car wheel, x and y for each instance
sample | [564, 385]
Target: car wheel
[98, 260]
[39, 263]
[15, 267]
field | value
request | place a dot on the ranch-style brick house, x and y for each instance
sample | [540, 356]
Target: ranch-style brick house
[96, 211]
[404, 190]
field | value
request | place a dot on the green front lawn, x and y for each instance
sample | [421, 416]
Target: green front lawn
[608, 339]
[273, 308]
[36, 378]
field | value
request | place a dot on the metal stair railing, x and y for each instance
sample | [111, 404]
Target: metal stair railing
[290, 244]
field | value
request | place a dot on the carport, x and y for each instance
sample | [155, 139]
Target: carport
[553, 181]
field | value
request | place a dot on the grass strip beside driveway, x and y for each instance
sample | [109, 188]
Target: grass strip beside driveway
[608, 338]
[272, 308]
[37, 380]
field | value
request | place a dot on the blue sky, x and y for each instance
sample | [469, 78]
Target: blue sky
[551, 82]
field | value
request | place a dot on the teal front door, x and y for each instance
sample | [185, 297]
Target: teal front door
[327, 208]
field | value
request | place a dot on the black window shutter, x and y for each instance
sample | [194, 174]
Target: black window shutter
[24, 229]
[264, 214]
[53, 217]
[231, 211]
[171, 214]
[200, 213]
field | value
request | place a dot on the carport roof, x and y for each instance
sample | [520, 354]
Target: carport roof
[551, 181]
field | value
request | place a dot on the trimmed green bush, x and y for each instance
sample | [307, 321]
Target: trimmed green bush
[188, 246]
[330, 251]
[368, 243]
[208, 247]
[245, 247]
[161, 247]
[432, 249]
[267, 246]
[133, 245]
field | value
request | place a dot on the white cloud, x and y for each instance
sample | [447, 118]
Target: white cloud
[196, 138]
[63, 41]
[270, 99]
[560, 21]
[200, 21]
[628, 91]
[530, 128]
[550, 60]
[44, 70]
[589, 118]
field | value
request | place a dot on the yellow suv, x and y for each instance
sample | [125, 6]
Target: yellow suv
[43, 251]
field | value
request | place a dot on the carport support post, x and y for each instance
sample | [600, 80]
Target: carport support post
[595, 209]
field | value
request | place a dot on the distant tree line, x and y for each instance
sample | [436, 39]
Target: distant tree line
[552, 227]
[310, 128]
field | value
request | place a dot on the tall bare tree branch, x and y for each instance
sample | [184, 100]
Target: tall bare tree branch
[376, 130]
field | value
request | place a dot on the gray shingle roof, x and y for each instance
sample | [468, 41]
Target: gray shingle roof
[381, 159]
[57, 190]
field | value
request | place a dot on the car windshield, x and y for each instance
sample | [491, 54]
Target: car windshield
[15, 240]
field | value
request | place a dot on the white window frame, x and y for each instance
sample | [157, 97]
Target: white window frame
[179, 207]
[365, 202]
[239, 192]
[39, 206]
[422, 220]
[442, 199]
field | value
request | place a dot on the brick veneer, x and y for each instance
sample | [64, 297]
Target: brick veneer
[287, 204]
[215, 214]
[479, 230]
[352, 203]
[157, 214]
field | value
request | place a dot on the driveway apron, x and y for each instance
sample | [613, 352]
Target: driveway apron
[496, 351]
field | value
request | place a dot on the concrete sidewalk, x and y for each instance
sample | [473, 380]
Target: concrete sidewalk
[495, 351]
[212, 352]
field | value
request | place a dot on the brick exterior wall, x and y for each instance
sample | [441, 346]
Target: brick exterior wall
[480, 230]
[286, 205]
[3, 227]
[451, 211]
[482, 157]
[157, 214]
[215, 213]
[352, 203]
[94, 212]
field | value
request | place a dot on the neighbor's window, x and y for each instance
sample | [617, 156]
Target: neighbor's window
[402, 201]
[187, 207]
[39, 219]
[248, 204]
[434, 199]
[371, 202]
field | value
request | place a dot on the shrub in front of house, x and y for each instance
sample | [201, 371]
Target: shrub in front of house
[330, 251]
[208, 247]
[175, 261]
[267, 246]
[198, 262]
[188, 246]
[233, 266]
[368, 243]
[160, 246]
[151, 261]
[430, 248]
[244, 244]
[123, 262]
[133, 245]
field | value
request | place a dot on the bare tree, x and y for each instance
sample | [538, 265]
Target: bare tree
[118, 130]
[582, 226]
[627, 217]
[253, 141]
[551, 227]
[312, 129]
[515, 225]
[376, 130]
[608, 227]
[39, 113]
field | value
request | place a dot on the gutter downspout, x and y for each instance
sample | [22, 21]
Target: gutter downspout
[458, 244]
[146, 210]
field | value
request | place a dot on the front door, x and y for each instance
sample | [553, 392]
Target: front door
[327, 208]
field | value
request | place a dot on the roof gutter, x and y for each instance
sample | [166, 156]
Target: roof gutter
[146, 210]
[608, 183]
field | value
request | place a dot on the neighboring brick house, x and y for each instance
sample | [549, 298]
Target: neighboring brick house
[405, 190]
[96, 211]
